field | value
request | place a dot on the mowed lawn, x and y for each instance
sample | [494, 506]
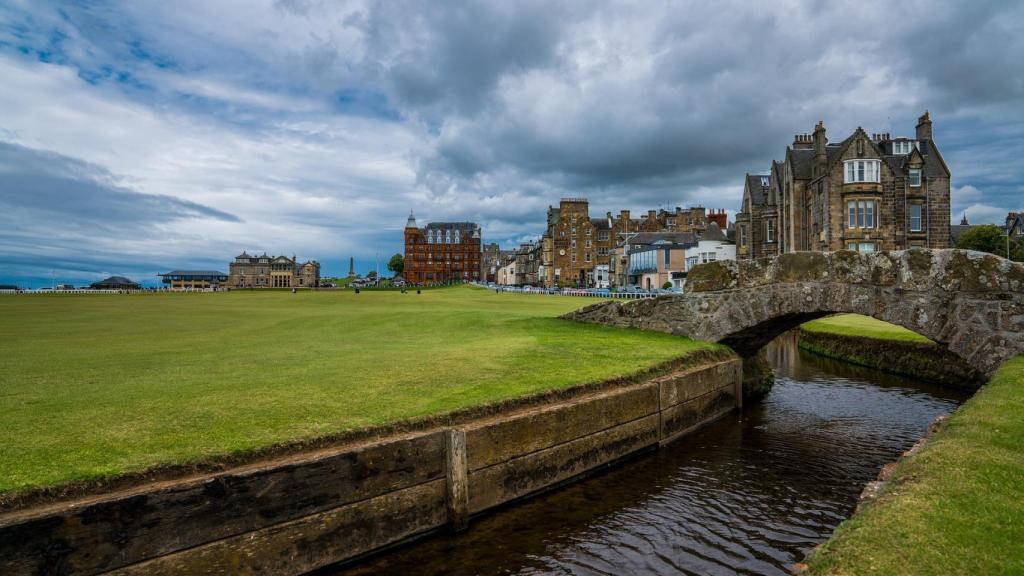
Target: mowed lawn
[956, 507]
[95, 385]
[865, 326]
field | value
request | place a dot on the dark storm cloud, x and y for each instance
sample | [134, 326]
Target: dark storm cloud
[629, 107]
[39, 187]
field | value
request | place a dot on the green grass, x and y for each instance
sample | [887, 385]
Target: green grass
[956, 507]
[856, 325]
[96, 385]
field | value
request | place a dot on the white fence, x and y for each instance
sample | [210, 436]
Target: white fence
[577, 292]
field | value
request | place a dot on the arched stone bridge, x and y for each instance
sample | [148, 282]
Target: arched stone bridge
[970, 302]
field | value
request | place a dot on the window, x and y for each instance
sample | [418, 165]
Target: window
[904, 146]
[588, 243]
[862, 170]
[602, 236]
[589, 230]
[915, 177]
[671, 221]
[573, 256]
[861, 246]
[668, 258]
[573, 230]
[706, 257]
[915, 218]
[769, 231]
[861, 214]
[588, 256]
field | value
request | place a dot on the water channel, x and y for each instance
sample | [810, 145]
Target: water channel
[750, 494]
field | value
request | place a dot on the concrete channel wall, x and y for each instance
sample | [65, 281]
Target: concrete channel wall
[290, 516]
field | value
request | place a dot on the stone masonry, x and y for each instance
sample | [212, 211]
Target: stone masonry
[970, 302]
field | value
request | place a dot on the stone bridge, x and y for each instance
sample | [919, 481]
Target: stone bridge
[970, 302]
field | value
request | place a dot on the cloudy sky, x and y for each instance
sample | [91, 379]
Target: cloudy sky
[137, 137]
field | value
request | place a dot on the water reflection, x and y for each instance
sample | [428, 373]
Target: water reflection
[750, 494]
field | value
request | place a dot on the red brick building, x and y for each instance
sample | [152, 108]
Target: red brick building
[441, 252]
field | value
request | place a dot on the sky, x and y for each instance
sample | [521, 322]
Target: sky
[140, 137]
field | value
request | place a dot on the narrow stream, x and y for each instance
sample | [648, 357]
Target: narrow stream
[750, 494]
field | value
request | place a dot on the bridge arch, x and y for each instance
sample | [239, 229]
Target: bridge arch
[970, 302]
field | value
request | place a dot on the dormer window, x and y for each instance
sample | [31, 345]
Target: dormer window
[904, 146]
[915, 177]
[862, 171]
[764, 181]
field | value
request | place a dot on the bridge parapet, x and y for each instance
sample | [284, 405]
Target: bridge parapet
[970, 302]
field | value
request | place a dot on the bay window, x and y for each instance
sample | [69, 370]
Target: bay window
[861, 214]
[862, 171]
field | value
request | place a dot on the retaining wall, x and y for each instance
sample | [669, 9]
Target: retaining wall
[296, 514]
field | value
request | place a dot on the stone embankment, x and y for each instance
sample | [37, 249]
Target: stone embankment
[307, 510]
[922, 360]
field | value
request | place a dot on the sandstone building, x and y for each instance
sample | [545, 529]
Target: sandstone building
[441, 252]
[272, 272]
[576, 250]
[865, 193]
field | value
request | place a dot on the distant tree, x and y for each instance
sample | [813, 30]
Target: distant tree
[396, 264]
[372, 274]
[987, 238]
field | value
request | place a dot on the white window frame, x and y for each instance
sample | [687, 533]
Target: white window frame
[862, 171]
[919, 208]
[862, 214]
[901, 147]
[769, 230]
[914, 178]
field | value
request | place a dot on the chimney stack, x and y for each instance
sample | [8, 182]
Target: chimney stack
[924, 127]
[820, 141]
[624, 214]
[802, 142]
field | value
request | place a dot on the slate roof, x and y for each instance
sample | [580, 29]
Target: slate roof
[649, 238]
[801, 159]
[957, 230]
[714, 233]
[463, 226]
[600, 223]
[758, 192]
[115, 281]
[193, 273]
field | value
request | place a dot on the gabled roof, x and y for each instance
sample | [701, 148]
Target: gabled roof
[800, 160]
[758, 191]
[714, 233]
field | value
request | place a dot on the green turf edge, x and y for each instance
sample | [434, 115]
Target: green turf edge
[955, 507]
[863, 326]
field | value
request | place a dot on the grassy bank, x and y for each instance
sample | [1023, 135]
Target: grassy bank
[862, 326]
[876, 344]
[95, 385]
[955, 507]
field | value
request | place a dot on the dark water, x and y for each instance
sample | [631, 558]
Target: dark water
[750, 494]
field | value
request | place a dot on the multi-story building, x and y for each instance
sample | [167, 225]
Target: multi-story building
[441, 252]
[864, 193]
[575, 245]
[272, 272]
[652, 259]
